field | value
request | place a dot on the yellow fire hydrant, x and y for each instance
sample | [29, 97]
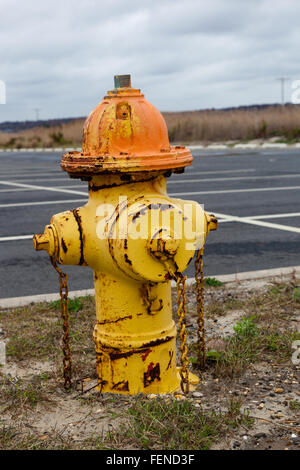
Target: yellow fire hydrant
[133, 236]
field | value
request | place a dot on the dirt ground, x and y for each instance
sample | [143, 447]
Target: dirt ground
[269, 387]
[250, 384]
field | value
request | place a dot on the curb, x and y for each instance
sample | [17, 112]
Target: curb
[252, 275]
[13, 302]
[226, 278]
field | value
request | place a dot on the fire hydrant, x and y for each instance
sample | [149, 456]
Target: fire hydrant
[133, 236]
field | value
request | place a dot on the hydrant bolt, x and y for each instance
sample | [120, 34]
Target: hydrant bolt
[122, 81]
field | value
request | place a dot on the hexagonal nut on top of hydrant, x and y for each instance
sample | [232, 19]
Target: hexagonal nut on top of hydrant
[134, 237]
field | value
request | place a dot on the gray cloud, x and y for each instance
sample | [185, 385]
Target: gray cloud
[191, 54]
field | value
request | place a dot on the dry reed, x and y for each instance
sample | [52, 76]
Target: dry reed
[186, 127]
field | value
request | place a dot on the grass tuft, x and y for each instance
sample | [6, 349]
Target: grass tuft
[212, 282]
[251, 344]
[16, 394]
[172, 424]
[294, 405]
[74, 305]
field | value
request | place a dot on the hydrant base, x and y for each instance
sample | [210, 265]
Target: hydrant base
[193, 380]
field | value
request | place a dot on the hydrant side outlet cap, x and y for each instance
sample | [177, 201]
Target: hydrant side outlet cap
[125, 133]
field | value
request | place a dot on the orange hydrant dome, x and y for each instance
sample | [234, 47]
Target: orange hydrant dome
[125, 133]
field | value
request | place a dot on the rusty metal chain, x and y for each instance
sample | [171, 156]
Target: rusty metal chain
[181, 312]
[63, 290]
[200, 308]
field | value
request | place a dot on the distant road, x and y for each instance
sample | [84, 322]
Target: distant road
[256, 196]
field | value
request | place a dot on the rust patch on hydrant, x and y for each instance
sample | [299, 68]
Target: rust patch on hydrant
[153, 373]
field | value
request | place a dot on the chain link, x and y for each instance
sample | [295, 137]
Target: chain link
[181, 312]
[63, 290]
[200, 308]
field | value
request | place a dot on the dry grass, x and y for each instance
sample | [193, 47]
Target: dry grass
[160, 424]
[67, 134]
[190, 126]
[263, 333]
[14, 437]
[169, 424]
[35, 333]
[238, 124]
[265, 329]
[16, 395]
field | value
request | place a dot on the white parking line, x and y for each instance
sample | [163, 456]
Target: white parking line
[19, 175]
[192, 193]
[20, 179]
[234, 178]
[179, 181]
[26, 169]
[269, 216]
[184, 181]
[42, 203]
[222, 218]
[16, 190]
[248, 220]
[276, 216]
[215, 172]
[18, 237]
[28, 174]
[44, 180]
[31, 174]
[227, 191]
[44, 188]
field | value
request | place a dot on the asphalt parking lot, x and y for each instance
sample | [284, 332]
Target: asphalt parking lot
[255, 195]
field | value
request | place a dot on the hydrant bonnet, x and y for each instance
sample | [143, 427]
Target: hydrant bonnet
[125, 133]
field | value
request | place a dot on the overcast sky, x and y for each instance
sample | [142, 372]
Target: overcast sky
[61, 55]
